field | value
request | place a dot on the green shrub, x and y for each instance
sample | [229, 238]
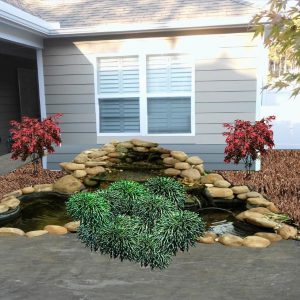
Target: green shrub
[151, 254]
[150, 208]
[120, 237]
[168, 188]
[132, 222]
[122, 195]
[178, 230]
[88, 208]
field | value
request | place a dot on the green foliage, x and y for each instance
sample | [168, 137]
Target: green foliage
[128, 221]
[120, 237]
[123, 194]
[150, 252]
[88, 208]
[282, 38]
[169, 188]
[151, 207]
[178, 230]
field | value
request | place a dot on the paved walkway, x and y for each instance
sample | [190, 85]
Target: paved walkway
[8, 165]
[61, 268]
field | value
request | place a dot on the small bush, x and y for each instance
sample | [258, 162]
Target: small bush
[168, 188]
[122, 195]
[88, 208]
[151, 254]
[151, 208]
[178, 230]
[120, 237]
[130, 222]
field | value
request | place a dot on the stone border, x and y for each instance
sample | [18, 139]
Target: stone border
[177, 164]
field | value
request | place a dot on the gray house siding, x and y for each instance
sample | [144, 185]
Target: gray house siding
[225, 89]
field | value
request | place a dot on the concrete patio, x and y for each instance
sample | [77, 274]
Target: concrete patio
[53, 267]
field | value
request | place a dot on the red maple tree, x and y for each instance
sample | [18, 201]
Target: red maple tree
[247, 141]
[32, 137]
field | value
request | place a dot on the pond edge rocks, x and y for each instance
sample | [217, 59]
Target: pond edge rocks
[177, 164]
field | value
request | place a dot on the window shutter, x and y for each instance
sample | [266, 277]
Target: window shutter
[119, 115]
[169, 115]
[118, 75]
[169, 73]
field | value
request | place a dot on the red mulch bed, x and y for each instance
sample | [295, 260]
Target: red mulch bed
[279, 179]
[23, 177]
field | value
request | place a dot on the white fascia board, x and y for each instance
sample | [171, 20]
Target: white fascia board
[16, 17]
[106, 29]
[19, 36]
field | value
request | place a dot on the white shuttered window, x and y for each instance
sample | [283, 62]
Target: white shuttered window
[118, 94]
[160, 106]
[169, 87]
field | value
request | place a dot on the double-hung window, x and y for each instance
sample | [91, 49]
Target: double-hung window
[149, 94]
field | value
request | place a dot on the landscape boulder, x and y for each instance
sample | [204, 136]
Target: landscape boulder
[56, 229]
[256, 242]
[230, 240]
[67, 185]
[9, 231]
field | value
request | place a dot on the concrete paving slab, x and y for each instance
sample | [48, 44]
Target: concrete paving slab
[60, 267]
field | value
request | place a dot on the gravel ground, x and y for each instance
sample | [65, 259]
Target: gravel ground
[279, 179]
[23, 177]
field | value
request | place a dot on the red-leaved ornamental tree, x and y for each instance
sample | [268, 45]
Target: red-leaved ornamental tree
[247, 141]
[32, 137]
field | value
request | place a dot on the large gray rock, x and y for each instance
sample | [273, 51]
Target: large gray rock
[67, 185]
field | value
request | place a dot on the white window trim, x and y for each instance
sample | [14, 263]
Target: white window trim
[143, 95]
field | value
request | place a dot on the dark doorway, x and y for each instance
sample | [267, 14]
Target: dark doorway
[18, 88]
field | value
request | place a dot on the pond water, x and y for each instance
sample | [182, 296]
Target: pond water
[221, 221]
[37, 213]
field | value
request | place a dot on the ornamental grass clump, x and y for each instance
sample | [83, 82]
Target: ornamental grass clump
[178, 230]
[123, 194]
[89, 208]
[169, 188]
[128, 221]
[151, 208]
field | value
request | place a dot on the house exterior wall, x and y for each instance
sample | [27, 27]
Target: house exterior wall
[225, 88]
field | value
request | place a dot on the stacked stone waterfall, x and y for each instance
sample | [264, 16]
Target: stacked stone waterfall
[93, 162]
